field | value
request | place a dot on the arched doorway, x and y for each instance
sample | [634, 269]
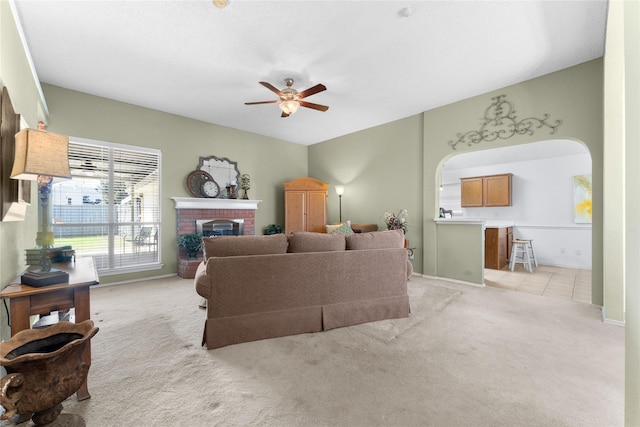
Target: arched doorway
[542, 208]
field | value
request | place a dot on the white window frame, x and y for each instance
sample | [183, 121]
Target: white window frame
[112, 225]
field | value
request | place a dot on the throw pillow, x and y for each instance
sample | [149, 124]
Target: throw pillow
[343, 229]
[331, 227]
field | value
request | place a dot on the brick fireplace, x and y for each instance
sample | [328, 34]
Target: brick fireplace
[189, 210]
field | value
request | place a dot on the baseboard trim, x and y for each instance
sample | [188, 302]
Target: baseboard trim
[141, 279]
[447, 279]
[613, 322]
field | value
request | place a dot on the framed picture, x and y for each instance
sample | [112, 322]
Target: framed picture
[582, 199]
[15, 195]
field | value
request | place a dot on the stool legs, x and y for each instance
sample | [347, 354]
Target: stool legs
[527, 260]
[533, 253]
[512, 259]
[520, 254]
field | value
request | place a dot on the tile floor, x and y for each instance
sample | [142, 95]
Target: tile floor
[556, 282]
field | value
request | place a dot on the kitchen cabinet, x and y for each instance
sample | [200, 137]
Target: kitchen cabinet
[497, 247]
[305, 205]
[486, 191]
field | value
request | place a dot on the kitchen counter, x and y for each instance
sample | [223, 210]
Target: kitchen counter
[488, 223]
[499, 223]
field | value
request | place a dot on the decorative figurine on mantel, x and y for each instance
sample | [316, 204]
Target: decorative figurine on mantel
[231, 190]
[245, 185]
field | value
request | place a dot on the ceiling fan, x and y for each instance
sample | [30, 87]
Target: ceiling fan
[291, 99]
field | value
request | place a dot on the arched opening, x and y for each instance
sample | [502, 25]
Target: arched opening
[546, 184]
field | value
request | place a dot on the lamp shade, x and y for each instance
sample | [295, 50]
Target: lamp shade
[339, 190]
[40, 153]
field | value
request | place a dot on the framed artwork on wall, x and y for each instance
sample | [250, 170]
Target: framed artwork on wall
[582, 199]
[15, 195]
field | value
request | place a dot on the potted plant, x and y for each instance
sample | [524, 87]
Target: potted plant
[192, 243]
[273, 229]
[395, 221]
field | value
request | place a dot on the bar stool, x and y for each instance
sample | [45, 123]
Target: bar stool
[520, 255]
[532, 253]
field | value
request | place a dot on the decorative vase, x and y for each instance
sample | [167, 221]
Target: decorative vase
[44, 367]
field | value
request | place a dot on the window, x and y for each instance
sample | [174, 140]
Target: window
[110, 209]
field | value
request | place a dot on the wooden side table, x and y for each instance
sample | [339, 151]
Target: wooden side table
[26, 301]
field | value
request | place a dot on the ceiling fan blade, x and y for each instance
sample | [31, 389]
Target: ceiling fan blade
[312, 91]
[314, 106]
[284, 115]
[271, 88]
[261, 102]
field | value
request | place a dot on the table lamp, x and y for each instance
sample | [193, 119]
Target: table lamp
[41, 156]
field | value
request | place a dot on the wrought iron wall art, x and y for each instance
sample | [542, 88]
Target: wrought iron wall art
[500, 121]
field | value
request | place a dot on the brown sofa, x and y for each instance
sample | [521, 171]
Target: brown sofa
[260, 287]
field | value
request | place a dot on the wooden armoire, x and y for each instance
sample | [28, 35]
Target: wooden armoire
[305, 205]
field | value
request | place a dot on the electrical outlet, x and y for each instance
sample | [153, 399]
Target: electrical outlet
[561, 250]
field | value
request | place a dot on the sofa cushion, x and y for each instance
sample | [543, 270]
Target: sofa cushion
[222, 246]
[303, 241]
[343, 228]
[376, 240]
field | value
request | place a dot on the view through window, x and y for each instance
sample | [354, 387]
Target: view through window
[110, 209]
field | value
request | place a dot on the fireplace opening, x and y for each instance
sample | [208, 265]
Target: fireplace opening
[220, 227]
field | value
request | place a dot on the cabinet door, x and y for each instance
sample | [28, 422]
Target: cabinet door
[495, 247]
[509, 242]
[471, 192]
[490, 248]
[497, 190]
[502, 248]
[294, 206]
[316, 219]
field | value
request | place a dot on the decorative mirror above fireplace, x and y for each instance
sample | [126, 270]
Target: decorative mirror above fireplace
[224, 171]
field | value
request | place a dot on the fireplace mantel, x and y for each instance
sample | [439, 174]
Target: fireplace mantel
[204, 203]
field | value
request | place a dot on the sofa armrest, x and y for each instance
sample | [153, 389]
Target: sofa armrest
[201, 281]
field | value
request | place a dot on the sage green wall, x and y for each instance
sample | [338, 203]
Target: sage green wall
[16, 76]
[573, 95]
[269, 162]
[465, 242]
[381, 169]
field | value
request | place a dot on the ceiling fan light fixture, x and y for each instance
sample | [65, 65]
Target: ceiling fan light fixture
[289, 106]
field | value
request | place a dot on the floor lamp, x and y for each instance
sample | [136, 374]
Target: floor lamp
[340, 192]
[40, 156]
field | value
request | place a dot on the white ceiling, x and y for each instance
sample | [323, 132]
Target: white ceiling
[192, 59]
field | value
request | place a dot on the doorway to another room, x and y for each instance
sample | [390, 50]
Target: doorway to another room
[550, 205]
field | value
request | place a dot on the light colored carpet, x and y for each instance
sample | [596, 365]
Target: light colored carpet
[467, 356]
